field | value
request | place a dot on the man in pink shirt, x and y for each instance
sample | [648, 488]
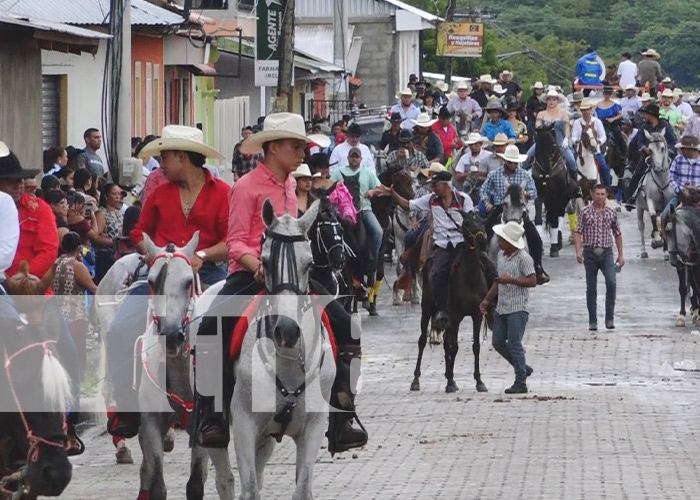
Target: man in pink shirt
[283, 141]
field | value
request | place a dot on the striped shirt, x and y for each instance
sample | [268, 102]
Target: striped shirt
[598, 226]
[684, 171]
[513, 298]
[447, 224]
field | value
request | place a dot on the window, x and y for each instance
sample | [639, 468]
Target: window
[246, 5]
[157, 125]
[210, 4]
[138, 101]
[149, 98]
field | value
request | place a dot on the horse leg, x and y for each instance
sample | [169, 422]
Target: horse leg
[640, 226]
[151, 434]
[476, 349]
[451, 348]
[308, 445]
[245, 445]
[199, 460]
[424, 321]
[683, 291]
[264, 453]
[225, 482]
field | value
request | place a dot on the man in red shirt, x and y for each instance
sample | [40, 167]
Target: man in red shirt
[192, 200]
[446, 132]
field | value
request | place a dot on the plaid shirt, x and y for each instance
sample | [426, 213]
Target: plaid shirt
[417, 160]
[242, 163]
[496, 185]
[684, 171]
[598, 226]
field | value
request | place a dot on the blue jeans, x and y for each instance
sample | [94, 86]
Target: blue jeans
[673, 203]
[566, 152]
[508, 331]
[605, 263]
[211, 273]
[375, 233]
[604, 170]
[412, 235]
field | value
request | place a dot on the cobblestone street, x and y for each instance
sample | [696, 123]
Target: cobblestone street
[605, 418]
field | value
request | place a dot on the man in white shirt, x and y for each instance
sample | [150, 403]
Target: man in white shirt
[339, 157]
[465, 104]
[627, 71]
[9, 229]
[631, 103]
[474, 155]
[583, 125]
[405, 106]
[682, 106]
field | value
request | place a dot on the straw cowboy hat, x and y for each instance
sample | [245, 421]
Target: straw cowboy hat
[406, 91]
[464, 86]
[646, 97]
[424, 120]
[651, 53]
[667, 93]
[554, 93]
[630, 86]
[505, 72]
[512, 154]
[304, 171]
[10, 167]
[435, 167]
[501, 139]
[280, 126]
[512, 232]
[677, 92]
[442, 86]
[537, 85]
[486, 79]
[497, 89]
[180, 138]
[688, 142]
[473, 138]
[587, 104]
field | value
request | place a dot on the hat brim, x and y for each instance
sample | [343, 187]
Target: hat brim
[254, 143]
[425, 172]
[498, 229]
[427, 124]
[297, 175]
[157, 146]
[680, 145]
[20, 174]
[507, 143]
[521, 158]
[480, 141]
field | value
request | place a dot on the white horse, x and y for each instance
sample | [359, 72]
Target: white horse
[401, 223]
[655, 190]
[285, 372]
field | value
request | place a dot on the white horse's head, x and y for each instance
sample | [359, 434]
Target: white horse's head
[171, 283]
[658, 151]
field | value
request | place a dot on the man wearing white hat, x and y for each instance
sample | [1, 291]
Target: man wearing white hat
[511, 86]
[472, 158]
[669, 113]
[405, 106]
[692, 128]
[464, 104]
[516, 275]
[485, 90]
[431, 143]
[583, 125]
[650, 70]
[630, 103]
[681, 105]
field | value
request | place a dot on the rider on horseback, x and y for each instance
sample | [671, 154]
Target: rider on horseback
[464, 106]
[685, 171]
[493, 192]
[283, 141]
[587, 123]
[445, 205]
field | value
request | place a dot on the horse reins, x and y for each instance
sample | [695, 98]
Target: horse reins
[284, 257]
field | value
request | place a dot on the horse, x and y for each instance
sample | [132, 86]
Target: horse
[683, 244]
[285, 372]
[463, 123]
[555, 187]
[514, 208]
[468, 288]
[655, 190]
[33, 440]
[588, 175]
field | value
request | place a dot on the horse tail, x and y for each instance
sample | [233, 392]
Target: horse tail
[58, 393]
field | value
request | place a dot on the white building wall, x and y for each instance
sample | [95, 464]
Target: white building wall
[409, 55]
[84, 75]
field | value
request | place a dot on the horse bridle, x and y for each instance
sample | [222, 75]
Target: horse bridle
[321, 242]
[283, 255]
[169, 254]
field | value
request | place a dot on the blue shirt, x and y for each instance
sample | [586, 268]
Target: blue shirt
[368, 180]
[604, 114]
[502, 127]
[684, 171]
[494, 188]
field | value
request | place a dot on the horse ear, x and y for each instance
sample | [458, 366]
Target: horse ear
[647, 134]
[268, 213]
[191, 246]
[307, 220]
[151, 249]
[523, 184]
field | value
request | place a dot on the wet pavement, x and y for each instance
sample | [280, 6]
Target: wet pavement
[607, 416]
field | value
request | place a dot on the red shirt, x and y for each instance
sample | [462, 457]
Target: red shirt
[246, 227]
[164, 221]
[38, 236]
[447, 137]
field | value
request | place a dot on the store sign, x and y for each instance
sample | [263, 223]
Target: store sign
[268, 33]
[460, 39]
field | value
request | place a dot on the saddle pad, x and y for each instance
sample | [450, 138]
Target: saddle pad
[239, 331]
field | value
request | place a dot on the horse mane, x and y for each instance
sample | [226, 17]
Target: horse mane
[546, 150]
[403, 183]
[514, 192]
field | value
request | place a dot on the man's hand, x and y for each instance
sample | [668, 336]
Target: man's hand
[504, 279]
[489, 207]
[484, 306]
[620, 261]
[260, 274]
[196, 263]
[579, 256]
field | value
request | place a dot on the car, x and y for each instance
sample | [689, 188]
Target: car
[373, 123]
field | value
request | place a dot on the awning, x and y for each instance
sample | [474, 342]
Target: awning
[355, 81]
[202, 70]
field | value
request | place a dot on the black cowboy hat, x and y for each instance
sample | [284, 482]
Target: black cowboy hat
[495, 105]
[444, 112]
[441, 177]
[10, 167]
[319, 160]
[395, 118]
[405, 135]
[354, 129]
[651, 109]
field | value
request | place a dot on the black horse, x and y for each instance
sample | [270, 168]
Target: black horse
[555, 187]
[468, 287]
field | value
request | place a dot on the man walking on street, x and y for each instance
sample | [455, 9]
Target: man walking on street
[516, 274]
[593, 238]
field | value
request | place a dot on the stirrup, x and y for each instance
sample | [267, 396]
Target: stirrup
[211, 434]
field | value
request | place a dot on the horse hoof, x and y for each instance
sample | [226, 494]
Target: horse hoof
[645, 255]
[667, 257]
[123, 453]
[451, 387]
[396, 302]
[481, 387]
[415, 385]
[680, 322]
[169, 441]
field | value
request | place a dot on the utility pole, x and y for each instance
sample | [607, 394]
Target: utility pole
[449, 17]
[286, 55]
[124, 117]
[340, 30]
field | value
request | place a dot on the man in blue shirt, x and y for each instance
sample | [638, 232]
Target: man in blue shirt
[685, 171]
[497, 122]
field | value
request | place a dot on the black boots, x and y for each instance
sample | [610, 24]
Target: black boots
[342, 436]
[212, 429]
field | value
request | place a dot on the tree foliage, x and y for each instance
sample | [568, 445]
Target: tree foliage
[555, 34]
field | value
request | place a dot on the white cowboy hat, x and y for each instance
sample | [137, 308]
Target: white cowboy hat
[677, 92]
[538, 85]
[667, 93]
[512, 232]
[587, 104]
[512, 155]
[280, 126]
[630, 86]
[442, 86]
[435, 167]
[651, 53]
[424, 120]
[304, 171]
[497, 89]
[180, 138]
[646, 97]
[666, 80]
[505, 72]
[486, 79]
[464, 86]
[501, 139]
[406, 91]
[473, 138]
[552, 92]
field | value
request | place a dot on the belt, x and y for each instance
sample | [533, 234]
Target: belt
[598, 250]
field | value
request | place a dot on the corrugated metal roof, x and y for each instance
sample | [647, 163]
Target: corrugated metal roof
[317, 40]
[44, 25]
[358, 8]
[93, 12]
[414, 10]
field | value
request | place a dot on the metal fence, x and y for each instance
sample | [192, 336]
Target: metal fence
[333, 109]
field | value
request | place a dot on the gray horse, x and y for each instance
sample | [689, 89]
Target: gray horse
[683, 236]
[655, 190]
[514, 208]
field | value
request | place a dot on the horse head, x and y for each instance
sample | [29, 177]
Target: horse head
[514, 203]
[546, 149]
[327, 243]
[402, 181]
[171, 283]
[463, 122]
[286, 257]
[689, 196]
[473, 230]
[658, 152]
[683, 235]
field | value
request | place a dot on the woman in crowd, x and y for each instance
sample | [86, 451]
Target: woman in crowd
[520, 128]
[59, 205]
[81, 220]
[109, 229]
[304, 179]
[610, 113]
[83, 184]
[55, 159]
[49, 183]
[429, 105]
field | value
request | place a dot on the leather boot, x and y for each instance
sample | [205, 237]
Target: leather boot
[342, 436]
[212, 429]
[124, 424]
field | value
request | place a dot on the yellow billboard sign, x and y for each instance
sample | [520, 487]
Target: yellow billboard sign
[460, 39]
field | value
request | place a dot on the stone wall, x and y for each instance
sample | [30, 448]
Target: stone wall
[378, 66]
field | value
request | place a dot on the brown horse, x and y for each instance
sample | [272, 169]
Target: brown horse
[468, 287]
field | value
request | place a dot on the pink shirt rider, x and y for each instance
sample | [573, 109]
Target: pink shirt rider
[246, 198]
[341, 198]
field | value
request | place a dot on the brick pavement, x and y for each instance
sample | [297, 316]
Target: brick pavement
[600, 421]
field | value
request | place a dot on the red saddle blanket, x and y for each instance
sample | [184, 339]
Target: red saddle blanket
[239, 331]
